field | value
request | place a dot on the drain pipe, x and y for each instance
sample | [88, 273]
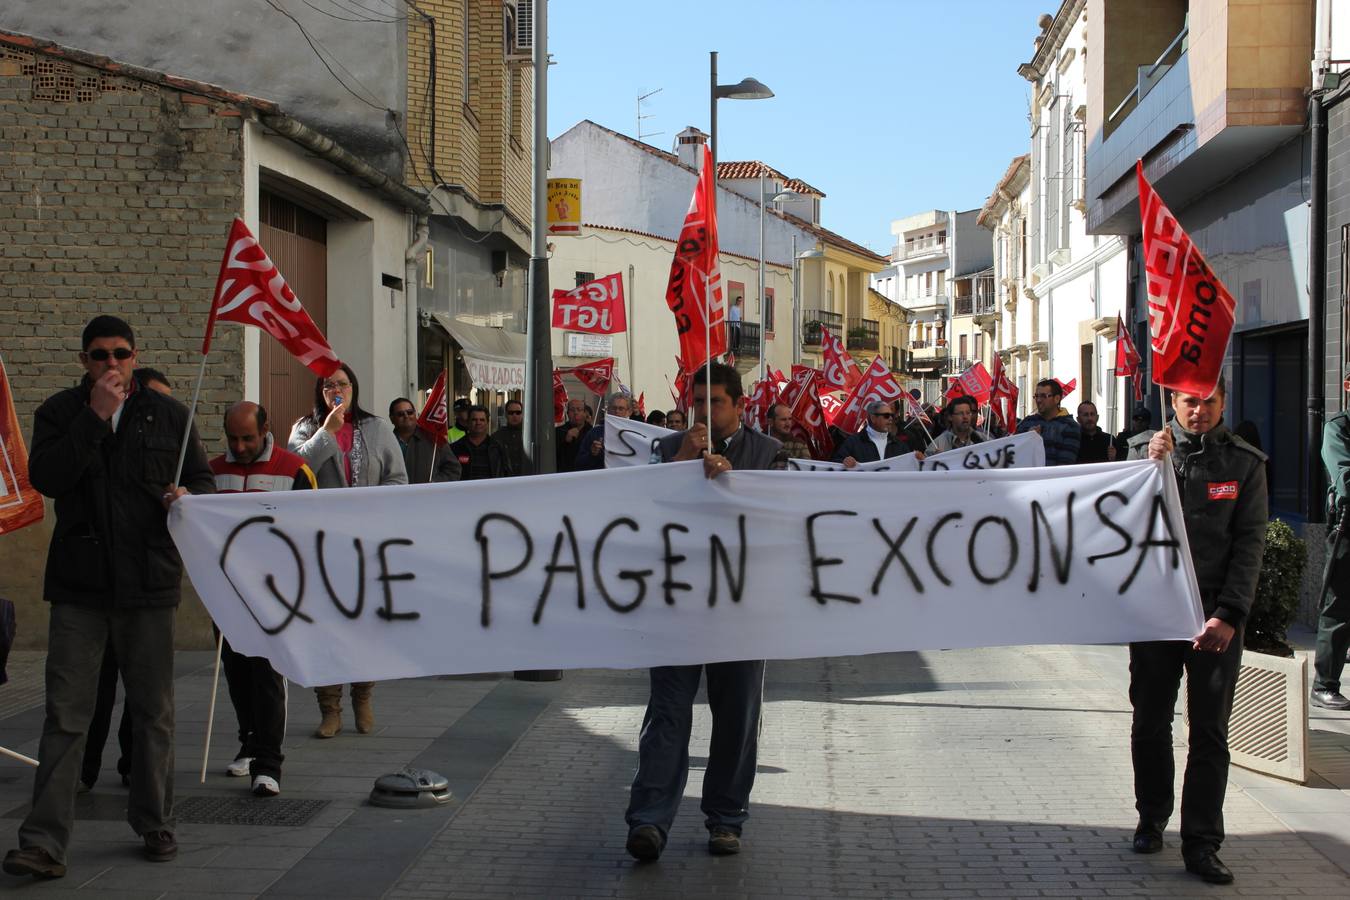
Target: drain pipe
[1317, 267]
[410, 289]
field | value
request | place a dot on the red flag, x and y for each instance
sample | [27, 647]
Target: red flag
[973, 382]
[435, 417]
[1003, 397]
[642, 404]
[559, 398]
[1127, 357]
[913, 410]
[596, 307]
[1190, 312]
[251, 291]
[20, 503]
[840, 370]
[1067, 387]
[809, 417]
[877, 384]
[830, 405]
[756, 412]
[694, 293]
[595, 375]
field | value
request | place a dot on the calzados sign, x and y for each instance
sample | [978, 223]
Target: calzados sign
[662, 566]
[596, 307]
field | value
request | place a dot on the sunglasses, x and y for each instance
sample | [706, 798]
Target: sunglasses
[515, 412]
[121, 354]
[883, 415]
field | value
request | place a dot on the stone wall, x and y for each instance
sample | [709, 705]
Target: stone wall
[115, 197]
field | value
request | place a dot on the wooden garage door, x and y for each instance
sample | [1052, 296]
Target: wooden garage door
[296, 239]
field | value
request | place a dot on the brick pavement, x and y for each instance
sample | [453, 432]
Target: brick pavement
[996, 772]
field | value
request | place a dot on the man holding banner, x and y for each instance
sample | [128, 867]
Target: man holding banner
[735, 689]
[1223, 499]
[105, 451]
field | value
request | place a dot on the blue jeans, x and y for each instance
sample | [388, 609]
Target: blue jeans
[735, 696]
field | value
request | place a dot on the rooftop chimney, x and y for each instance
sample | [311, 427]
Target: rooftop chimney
[689, 146]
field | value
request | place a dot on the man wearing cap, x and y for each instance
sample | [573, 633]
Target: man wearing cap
[1333, 625]
[1141, 421]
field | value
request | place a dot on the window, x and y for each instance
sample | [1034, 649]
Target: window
[767, 324]
[979, 345]
[962, 343]
[942, 276]
[583, 277]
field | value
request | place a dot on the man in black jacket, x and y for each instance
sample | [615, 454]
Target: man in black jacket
[479, 454]
[878, 435]
[1223, 502]
[735, 689]
[106, 451]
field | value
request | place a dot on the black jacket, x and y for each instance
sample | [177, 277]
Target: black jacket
[499, 465]
[111, 545]
[417, 459]
[860, 447]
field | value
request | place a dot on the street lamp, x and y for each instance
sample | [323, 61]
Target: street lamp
[813, 253]
[764, 199]
[746, 89]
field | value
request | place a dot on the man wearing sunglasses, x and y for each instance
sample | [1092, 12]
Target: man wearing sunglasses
[105, 451]
[422, 457]
[877, 440]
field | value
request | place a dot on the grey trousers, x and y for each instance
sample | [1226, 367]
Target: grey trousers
[143, 642]
[735, 697]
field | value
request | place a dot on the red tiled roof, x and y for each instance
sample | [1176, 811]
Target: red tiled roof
[742, 169]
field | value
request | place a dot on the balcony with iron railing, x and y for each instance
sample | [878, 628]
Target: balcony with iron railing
[917, 249]
[863, 334]
[743, 338]
[976, 305]
[813, 319]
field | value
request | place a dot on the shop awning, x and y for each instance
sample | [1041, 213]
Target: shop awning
[494, 357]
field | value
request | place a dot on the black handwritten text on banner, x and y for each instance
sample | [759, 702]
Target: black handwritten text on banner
[662, 566]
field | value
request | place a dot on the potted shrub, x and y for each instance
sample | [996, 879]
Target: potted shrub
[1277, 591]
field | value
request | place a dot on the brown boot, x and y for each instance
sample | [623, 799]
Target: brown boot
[361, 708]
[330, 704]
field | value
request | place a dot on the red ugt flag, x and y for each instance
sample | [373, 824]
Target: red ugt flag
[694, 293]
[20, 504]
[1190, 312]
[877, 384]
[1003, 397]
[251, 291]
[435, 417]
[840, 370]
[596, 307]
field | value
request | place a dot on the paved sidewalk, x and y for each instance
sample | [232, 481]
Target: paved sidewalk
[998, 772]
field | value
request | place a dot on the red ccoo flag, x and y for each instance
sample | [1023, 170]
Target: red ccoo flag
[559, 398]
[877, 384]
[1190, 312]
[20, 504]
[1003, 397]
[251, 291]
[594, 376]
[435, 417]
[1127, 360]
[694, 293]
[973, 382]
[840, 370]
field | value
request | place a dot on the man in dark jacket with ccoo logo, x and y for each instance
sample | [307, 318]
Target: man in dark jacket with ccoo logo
[106, 451]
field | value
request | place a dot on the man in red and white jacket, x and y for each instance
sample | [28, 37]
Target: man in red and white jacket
[253, 462]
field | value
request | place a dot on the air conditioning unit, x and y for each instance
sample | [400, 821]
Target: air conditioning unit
[519, 28]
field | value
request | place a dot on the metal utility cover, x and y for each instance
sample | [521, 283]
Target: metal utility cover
[246, 811]
[411, 788]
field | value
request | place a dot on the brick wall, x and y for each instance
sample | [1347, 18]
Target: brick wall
[115, 196]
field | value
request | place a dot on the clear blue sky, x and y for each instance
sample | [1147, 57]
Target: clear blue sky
[888, 106]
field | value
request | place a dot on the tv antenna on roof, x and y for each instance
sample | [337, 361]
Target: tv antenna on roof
[640, 133]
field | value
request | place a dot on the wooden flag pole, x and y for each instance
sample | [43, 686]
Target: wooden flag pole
[192, 412]
[211, 709]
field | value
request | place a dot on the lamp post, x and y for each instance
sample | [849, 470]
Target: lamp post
[764, 199]
[745, 89]
[813, 253]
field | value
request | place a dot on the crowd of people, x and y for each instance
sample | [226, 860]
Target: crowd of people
[106, 452]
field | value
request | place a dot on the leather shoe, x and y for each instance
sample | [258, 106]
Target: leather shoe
[33, 861]
[160, 846]
[724, 842]
[1330, 699]
[1147, 842]
[645, 843]
[1208, 867]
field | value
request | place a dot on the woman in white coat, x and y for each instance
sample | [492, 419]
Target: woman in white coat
[346, 446]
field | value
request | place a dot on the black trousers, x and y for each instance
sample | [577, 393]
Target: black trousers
[1211, 679]
[1333, 625]
[259, 697]
[101, 724]
[735, 698]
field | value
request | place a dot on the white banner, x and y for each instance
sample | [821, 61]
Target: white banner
[629, 442]
[494, 375]
[661, 566]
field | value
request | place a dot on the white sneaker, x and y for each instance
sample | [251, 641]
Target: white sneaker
[239, 768]
[265, 786]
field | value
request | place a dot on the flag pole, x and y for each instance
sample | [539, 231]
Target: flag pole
[192, 412]
[211, 710]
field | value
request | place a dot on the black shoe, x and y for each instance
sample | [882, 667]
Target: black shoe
[724, 842]
[160, 846]
[33, 861]
[1147, 842]
[1208, 867]
[645, 843]
[1330, 699]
